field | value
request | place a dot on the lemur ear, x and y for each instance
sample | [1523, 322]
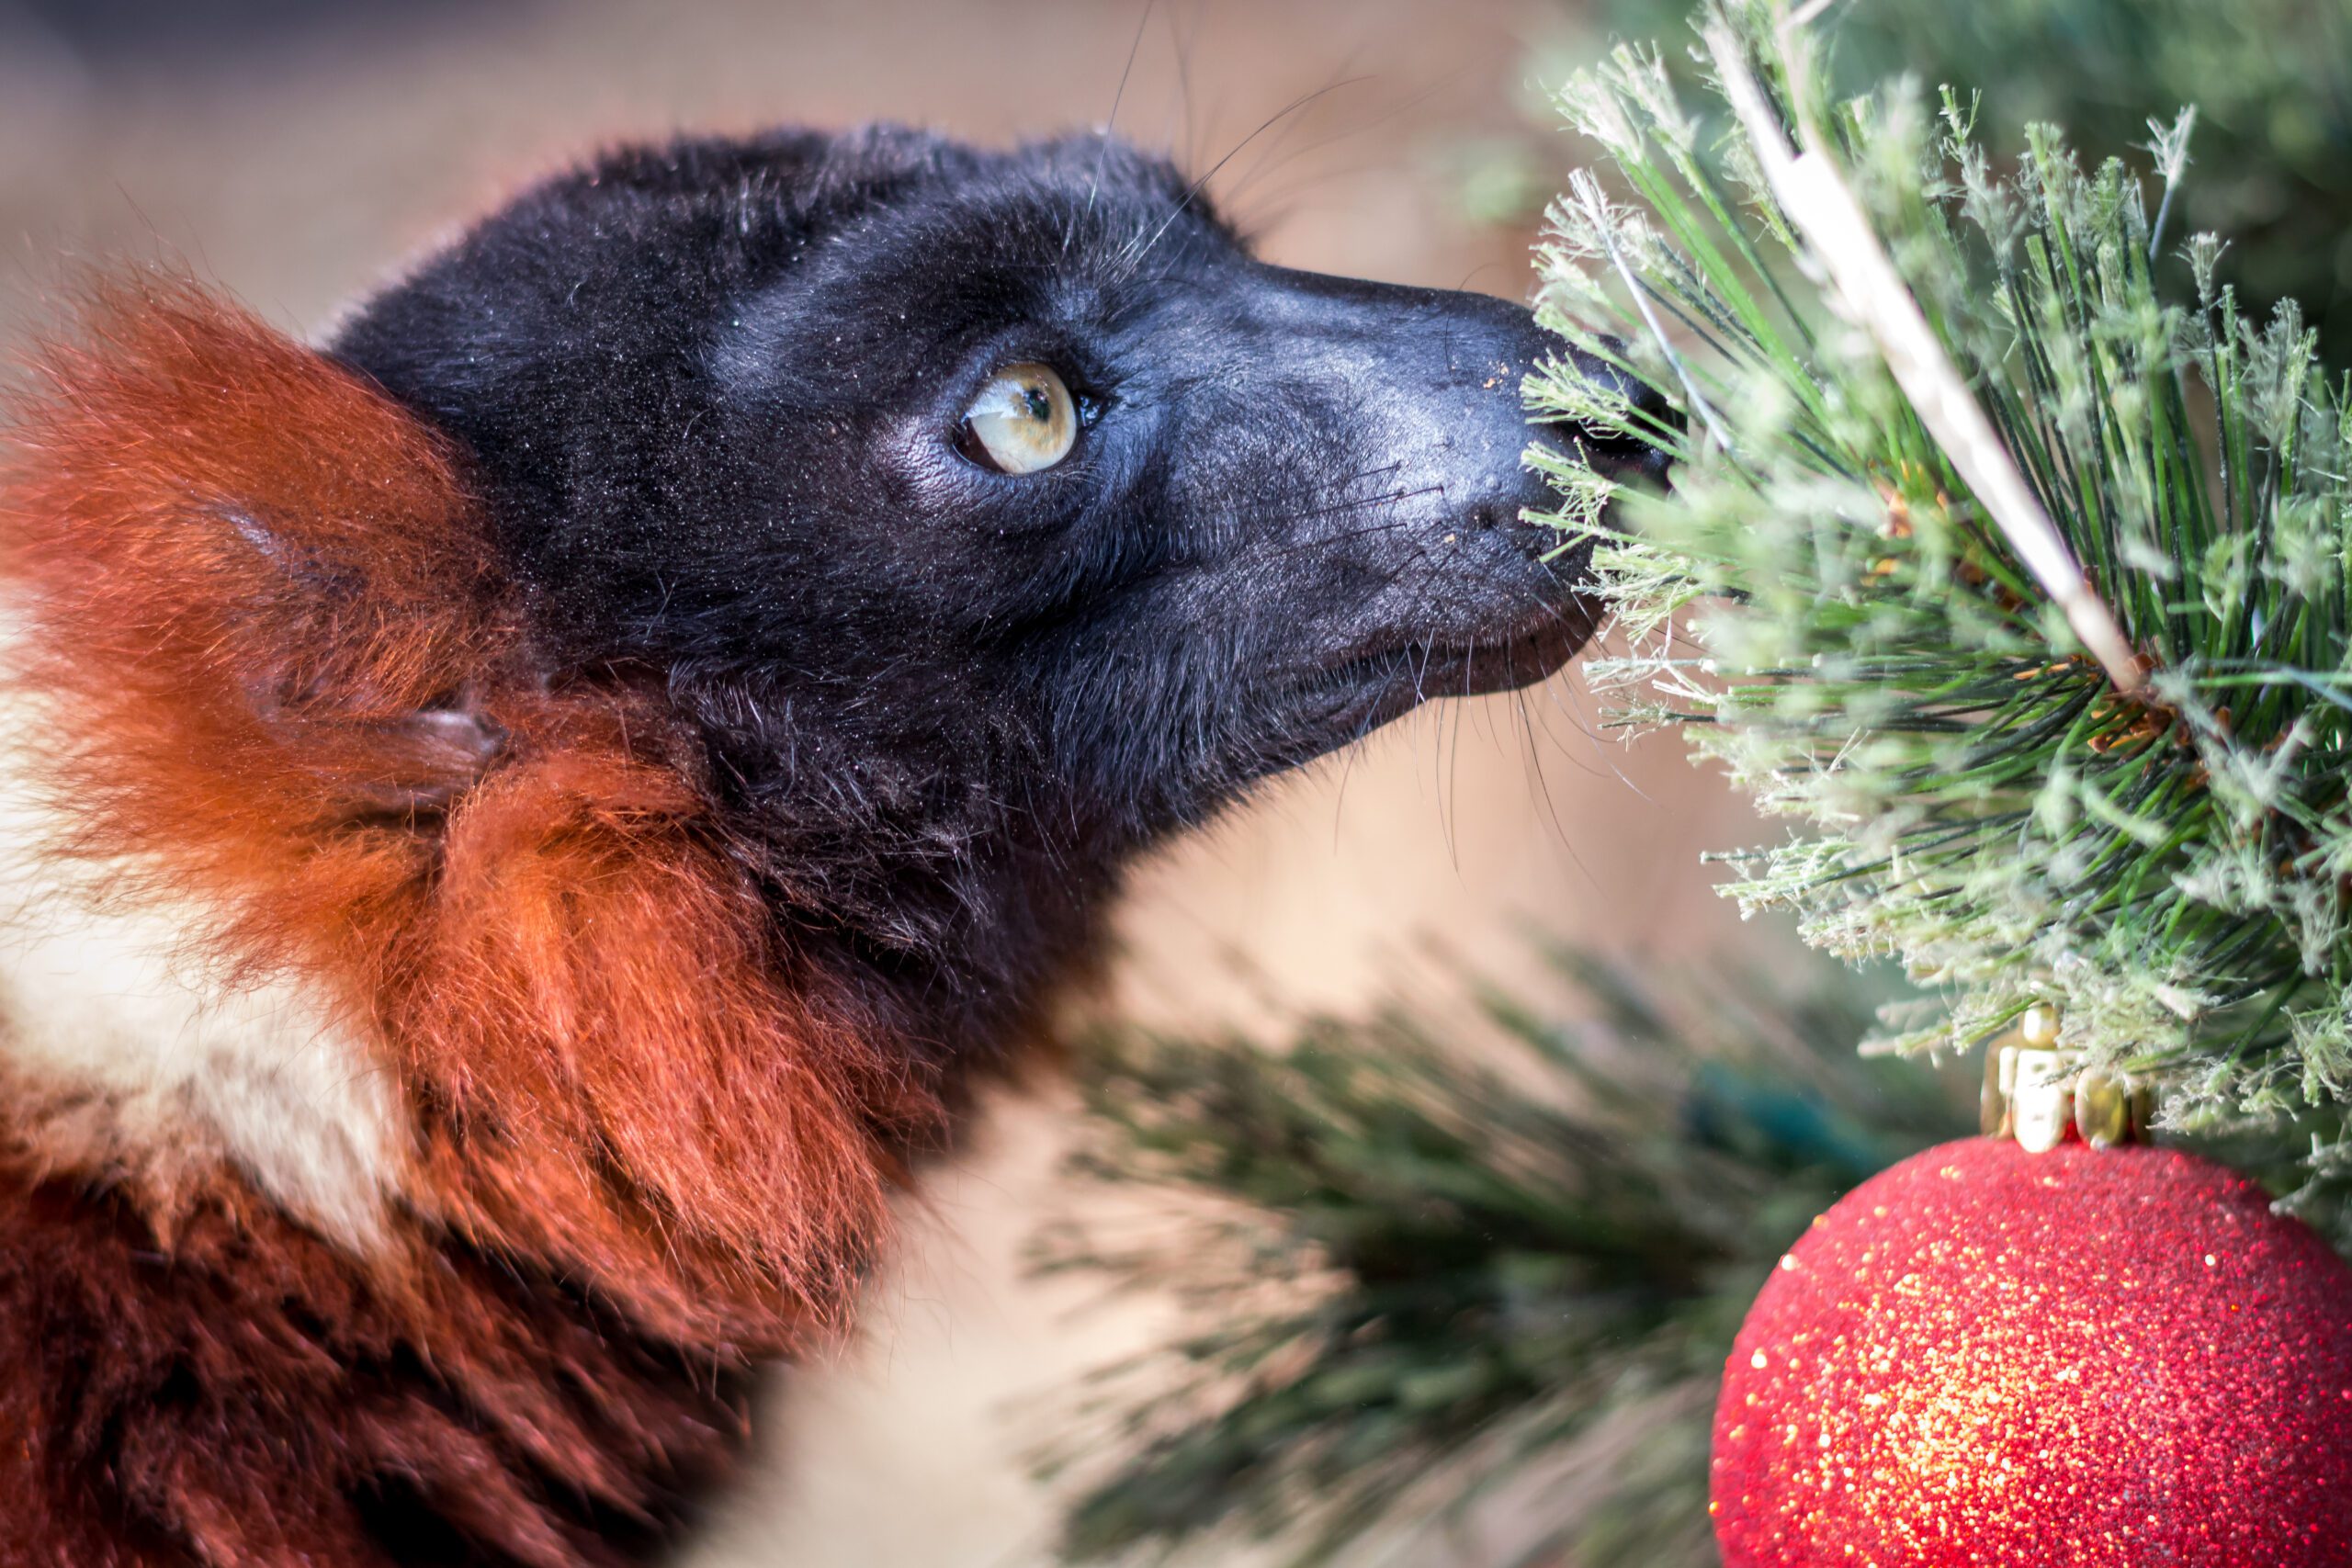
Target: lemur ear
[419, 760]
[246, 568]
[284, 684]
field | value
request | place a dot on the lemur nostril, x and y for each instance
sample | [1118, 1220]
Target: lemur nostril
[1618, 453]
[1655, 406]
[1635, 449]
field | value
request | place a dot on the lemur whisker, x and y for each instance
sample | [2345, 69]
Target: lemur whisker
[1393, 111]
[1102, 153]
[1271, 152]
[1192, 192]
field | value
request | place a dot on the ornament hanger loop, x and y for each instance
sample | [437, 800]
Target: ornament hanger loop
[2037, 1091]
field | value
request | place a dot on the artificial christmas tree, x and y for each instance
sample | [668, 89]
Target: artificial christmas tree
[2012, 563]
[2050, 663]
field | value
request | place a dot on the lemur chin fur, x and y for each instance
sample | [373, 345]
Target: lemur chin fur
[527, 820]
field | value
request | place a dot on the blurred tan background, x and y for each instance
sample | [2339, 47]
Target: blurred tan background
[298, 155]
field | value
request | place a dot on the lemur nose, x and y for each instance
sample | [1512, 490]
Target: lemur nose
[1520, 505]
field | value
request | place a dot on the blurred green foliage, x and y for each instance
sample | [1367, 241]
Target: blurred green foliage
[1433, 1251]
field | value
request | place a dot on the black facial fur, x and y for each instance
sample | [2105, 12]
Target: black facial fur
[714, 391]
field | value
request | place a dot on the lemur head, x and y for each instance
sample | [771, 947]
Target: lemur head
[578, 772]
[972, 480]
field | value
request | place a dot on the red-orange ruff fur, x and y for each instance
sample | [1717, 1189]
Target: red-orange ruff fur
[280, 676]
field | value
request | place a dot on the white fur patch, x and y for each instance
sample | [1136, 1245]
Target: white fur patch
[136, 1061]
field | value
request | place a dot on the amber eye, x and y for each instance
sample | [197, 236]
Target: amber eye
[1022, 421]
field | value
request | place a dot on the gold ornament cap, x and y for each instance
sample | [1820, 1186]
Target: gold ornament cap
[2036, 1091]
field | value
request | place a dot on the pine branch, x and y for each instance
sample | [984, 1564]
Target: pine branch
[1882, 662]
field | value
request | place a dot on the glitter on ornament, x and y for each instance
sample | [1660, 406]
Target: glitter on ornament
[2096, 1359]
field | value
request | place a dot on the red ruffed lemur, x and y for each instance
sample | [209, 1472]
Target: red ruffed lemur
[523, 821]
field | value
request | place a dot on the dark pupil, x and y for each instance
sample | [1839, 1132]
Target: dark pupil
[1041, 408]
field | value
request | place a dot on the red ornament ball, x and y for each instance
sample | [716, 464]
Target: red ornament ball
[2097, 1358]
